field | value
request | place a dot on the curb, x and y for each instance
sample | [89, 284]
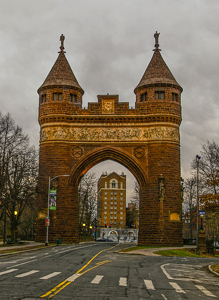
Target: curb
[210, 269]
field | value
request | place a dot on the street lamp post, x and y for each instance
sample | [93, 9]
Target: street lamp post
[5, 226]
[47, 218]
[197, 224]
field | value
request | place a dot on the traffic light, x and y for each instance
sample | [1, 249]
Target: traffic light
[105, 225]
[110, 226]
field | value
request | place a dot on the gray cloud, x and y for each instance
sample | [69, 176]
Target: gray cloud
[109, 45]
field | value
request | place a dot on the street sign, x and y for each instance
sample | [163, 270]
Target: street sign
[201, 213]
[47, 222]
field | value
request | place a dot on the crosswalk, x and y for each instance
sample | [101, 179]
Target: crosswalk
[122, 281]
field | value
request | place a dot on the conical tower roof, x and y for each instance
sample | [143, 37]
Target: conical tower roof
[157, 70]
[61, 72]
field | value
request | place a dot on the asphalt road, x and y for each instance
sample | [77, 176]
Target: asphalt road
[95, 271]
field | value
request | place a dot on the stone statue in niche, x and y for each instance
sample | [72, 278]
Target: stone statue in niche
[161, 187]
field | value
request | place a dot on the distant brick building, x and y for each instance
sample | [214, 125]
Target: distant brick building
[111, 208]
[144, 139]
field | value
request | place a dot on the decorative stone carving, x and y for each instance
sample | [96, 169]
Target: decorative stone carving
[77, 152]
[109, 134]
[139, 152]
[161, 188]
[108, 106]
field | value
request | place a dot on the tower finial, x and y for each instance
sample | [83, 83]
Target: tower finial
[62, 38]
[156, 36]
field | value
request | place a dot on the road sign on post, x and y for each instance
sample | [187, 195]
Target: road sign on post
[47, 222]
[201, 213]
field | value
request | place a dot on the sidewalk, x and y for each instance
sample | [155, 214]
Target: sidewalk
[11, 247]
[150, 251]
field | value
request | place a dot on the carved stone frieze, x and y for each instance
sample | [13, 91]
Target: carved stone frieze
[109, 134]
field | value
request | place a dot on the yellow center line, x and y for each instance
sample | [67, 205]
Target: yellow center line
[93, 259]
[65, 283]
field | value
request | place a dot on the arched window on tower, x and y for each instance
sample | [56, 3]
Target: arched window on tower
[57, 96]
[73, 98]
[175, 97]
[43, 98]
[159, 95]
[144, 97]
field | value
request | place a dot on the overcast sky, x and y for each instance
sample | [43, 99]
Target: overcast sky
[109, 45]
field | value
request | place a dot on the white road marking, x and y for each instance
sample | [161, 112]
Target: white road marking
[8, 271]
[149, 285]
[27, 262]
[164, 297]
[180, 278]
[14, 261]
[205, 291]
[74, 248]
[165, 272]
[97, 279]
[27, 273]
[50, 275]
[123, 281]
[177, 287]
[73, 277]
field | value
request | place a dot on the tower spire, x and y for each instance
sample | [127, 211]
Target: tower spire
[156, 36]
[62, 38]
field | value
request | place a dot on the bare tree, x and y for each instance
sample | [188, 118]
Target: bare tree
[208, 167]
[18, 172]
[208, 186]
[87, 192]
[135, 198]
[133, 209]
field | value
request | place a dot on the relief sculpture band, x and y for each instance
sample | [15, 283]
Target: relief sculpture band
[109, 134]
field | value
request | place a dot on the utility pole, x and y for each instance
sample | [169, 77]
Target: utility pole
[197, 223]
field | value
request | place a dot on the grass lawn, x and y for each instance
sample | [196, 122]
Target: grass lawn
[138, 248]
[178, 252]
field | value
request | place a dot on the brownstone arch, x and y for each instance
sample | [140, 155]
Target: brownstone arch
[145, 139]
[108, 153]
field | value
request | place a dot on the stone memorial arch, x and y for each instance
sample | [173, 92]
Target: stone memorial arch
[144, 139]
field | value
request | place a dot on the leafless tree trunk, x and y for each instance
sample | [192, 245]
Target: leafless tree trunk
[87, 191]
[18, 172]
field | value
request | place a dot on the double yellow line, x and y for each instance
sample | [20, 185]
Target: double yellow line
[79, 273]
